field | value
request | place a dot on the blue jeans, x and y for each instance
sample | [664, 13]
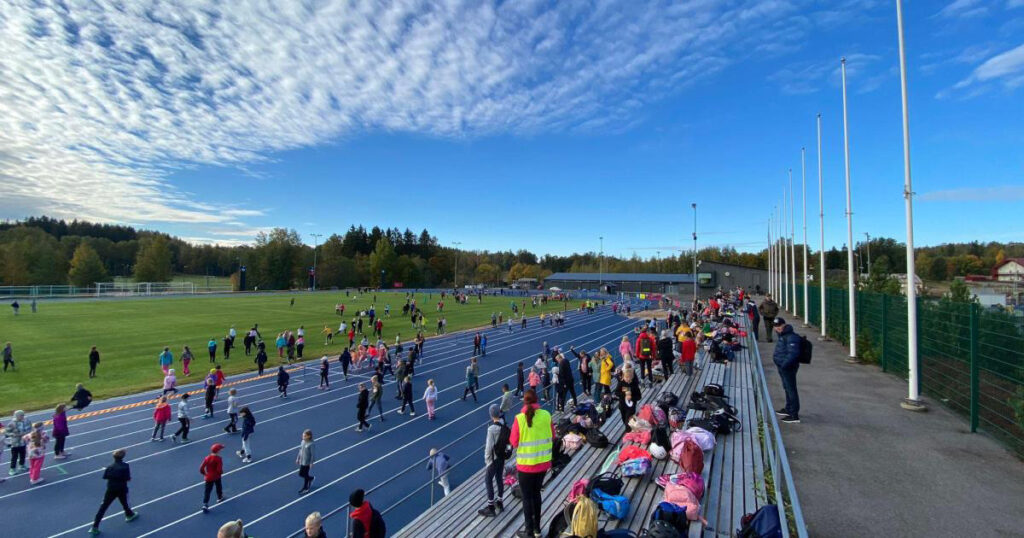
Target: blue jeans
[788, 376]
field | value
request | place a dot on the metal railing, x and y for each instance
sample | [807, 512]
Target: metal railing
[774, 452]
[971, 359]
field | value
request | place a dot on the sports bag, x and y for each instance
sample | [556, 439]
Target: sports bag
[629, 452]
[616, 533]
[596, 439]
[764, 523]
[579, 488]
[559, 524]
[562, 426]
[636, 467]
[609, 483]
[806, 350]
[667, 399]
[646, 412]
[691, 457]
[503, 446]
[704, 439]
[693, 482]
[660, 418]
[584, 408]
[615, 506]
[672, 514]
[571, 443]
[584, 518]
[682, 496]
[714, 389]
[584, 421]
[662, 529]
[642, 438]
[676, 417]
[636, 423]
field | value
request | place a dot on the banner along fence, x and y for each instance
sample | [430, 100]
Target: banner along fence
[971, 358]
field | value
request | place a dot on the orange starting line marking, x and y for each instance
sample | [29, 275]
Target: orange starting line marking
[135, 405]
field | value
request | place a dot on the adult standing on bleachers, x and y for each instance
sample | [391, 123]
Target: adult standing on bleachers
[533, 437]
[666, 350]
[787, 360]
[769, 309]
[645, 349]
[566, 381]
[755, 317]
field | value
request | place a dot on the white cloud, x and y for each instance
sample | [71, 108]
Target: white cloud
[100, 102]
[1006, 68]
[1006, 193]
[863, 74]
[963, 9]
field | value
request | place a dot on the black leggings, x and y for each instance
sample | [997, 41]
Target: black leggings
[529, 485]
[209, 486]
[159, 427]
[183, 429]
[361, 415]
[306, 477]
[58, 445]
[469, 390]
[17, 455]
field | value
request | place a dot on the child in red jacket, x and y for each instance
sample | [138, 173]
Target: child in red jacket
[161, 415]
[212, 469]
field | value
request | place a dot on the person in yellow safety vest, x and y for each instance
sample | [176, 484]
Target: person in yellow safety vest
[533, 435]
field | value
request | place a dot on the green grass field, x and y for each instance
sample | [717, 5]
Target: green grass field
[51, 347]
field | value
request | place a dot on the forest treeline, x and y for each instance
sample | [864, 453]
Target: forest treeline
[44, 250]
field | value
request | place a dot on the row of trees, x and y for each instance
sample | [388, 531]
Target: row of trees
[50, 251]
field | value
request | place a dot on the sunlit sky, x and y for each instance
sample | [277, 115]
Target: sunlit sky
[505, 125]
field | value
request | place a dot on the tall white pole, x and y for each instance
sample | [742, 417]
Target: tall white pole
[821, 226]
[785, 251]
[803, 198]
[913, 401]
[600, 264]
[694, 206]
[316, 242]
[851, 287]
[792, 239]
[770, 276]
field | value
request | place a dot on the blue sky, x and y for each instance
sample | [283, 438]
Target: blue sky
[529, 124]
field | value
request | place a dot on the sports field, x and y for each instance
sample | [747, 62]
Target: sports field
[388, 460]
[51, 347]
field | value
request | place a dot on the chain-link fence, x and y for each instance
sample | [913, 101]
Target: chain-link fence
[970, 358]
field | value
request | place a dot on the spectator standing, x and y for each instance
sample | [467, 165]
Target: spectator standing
[532, 435]
[494, 460]
[248, 427]
[304, 459]
[60, 432]
[94, 360]
[769, 310]
[366, 520]
[787, 360]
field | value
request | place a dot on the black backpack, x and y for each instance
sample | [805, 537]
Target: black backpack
[609, 483]
[378, 529]
[806, 350]
[503, 446]
[596, 439]
[667, 399]
[764, 523]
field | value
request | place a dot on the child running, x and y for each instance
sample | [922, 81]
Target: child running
[304, 460]
[184, 420]
[211, 392]
[212, 469]
[325, 368]
[470, 384]
[282, 381]
[232, 426]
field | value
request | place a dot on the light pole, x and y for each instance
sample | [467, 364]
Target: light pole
[316, 241]
[821, 244]
[803, 199]
[456, 243]
[913, 401]
[785, 251]
[693, 205]
[600, 265]
[851, 286]
[867, 244]
[770, 278]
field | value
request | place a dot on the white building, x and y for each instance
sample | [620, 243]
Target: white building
[1011, 270]
[902, 279]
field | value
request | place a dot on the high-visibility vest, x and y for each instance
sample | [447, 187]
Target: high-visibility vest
[535, 443]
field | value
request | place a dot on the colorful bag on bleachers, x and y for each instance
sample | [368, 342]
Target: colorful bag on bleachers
[615, 506]
[584, 518]
[646, 412]
[571, 443]
[579, 488]
[630, 452]
[676, 417]
[642, 438]
[596, 439]
[704, 439]
[693, 481]
[583, 420]
[637, 423]
[609, 483]
[682, 496]
[660, 418]
[674, 515]
[689, 456]
[764, 523]
[636, 467]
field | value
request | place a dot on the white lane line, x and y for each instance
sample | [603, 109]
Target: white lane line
[274, 418]
[291, 450]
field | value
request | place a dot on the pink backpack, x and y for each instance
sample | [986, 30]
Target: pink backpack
[694, 482]
[579, 488]
[682, 496]
[642, 438]
[691, 458]
[660, 418]
[704, 439]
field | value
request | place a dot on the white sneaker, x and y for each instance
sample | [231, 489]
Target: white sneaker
[247, 459]
[400, 412]
[412, 413]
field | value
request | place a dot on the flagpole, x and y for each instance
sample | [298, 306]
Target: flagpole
[851, 286]
[821, 227]
[803, 198]
[792, 239]
[785, 250]
[913, 401]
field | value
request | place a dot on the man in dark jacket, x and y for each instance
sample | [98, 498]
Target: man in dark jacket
[566, 381]
[755, 318]
[117, 475]
[361, 406]
[787, 360]
[665, 351]
[769, 309]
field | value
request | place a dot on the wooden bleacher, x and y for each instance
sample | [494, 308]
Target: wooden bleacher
[733, 471]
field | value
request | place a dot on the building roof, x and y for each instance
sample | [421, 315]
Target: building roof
[668, 278]
[1018, 261]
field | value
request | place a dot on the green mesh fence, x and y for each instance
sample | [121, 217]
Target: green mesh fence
[971, 359]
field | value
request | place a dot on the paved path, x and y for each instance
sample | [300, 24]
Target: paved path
[166, 485]
[863, 466]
